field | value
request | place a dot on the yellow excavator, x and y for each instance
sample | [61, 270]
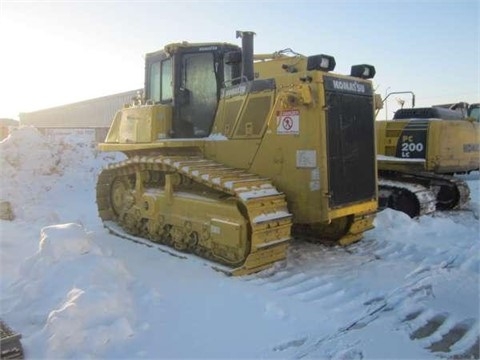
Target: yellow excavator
[420, 150]
[230, 154]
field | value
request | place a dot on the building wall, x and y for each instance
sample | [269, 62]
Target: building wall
[93, 113]
[5, 126]
[75, 135]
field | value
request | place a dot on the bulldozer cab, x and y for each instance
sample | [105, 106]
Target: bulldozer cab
[188, 78]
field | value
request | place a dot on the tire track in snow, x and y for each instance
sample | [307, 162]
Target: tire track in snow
[439, 332]
[326, 277]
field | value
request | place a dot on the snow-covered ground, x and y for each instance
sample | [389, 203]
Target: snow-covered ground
[409, 289]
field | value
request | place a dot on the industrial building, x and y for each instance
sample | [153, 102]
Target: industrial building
[5, 126]
[88, 120]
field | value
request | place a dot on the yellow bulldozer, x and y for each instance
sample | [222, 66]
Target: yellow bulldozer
[230, 154]
[420, 151]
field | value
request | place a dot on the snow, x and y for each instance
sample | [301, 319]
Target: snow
[270, 216]
[409, 289]
[217, 137]
[396, 159]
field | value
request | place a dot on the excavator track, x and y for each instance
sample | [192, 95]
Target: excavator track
[10, 345]
[418, 194]
[188, 204]
[461, 194]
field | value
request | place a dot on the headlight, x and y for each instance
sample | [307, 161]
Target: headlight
[363, 71]
[321, 62]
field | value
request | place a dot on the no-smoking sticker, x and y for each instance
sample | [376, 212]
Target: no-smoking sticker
[288, 122]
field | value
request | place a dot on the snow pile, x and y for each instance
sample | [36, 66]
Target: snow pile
[54, 248]
[28, 162]
[32, 166]
[430, 239]
[26, 153]
[76, 293]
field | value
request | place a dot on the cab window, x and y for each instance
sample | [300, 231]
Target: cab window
[154, 81]
[166, 85]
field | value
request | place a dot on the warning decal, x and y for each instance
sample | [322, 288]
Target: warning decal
[288, 122]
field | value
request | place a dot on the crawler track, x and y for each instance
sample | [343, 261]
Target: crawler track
[193, 205]
[418, 194]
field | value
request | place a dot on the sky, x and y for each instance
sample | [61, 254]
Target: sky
[408, 290]
[58, 52]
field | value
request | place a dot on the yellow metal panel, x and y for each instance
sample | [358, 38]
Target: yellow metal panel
[141, 124]
[364, 207]
[165, 144]
[223, 232]
[229, 114]
[234, 153]
[253, 118]
[279, 154]
[453, 146]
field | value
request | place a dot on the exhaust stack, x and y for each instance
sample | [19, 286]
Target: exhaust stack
[247, 54]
